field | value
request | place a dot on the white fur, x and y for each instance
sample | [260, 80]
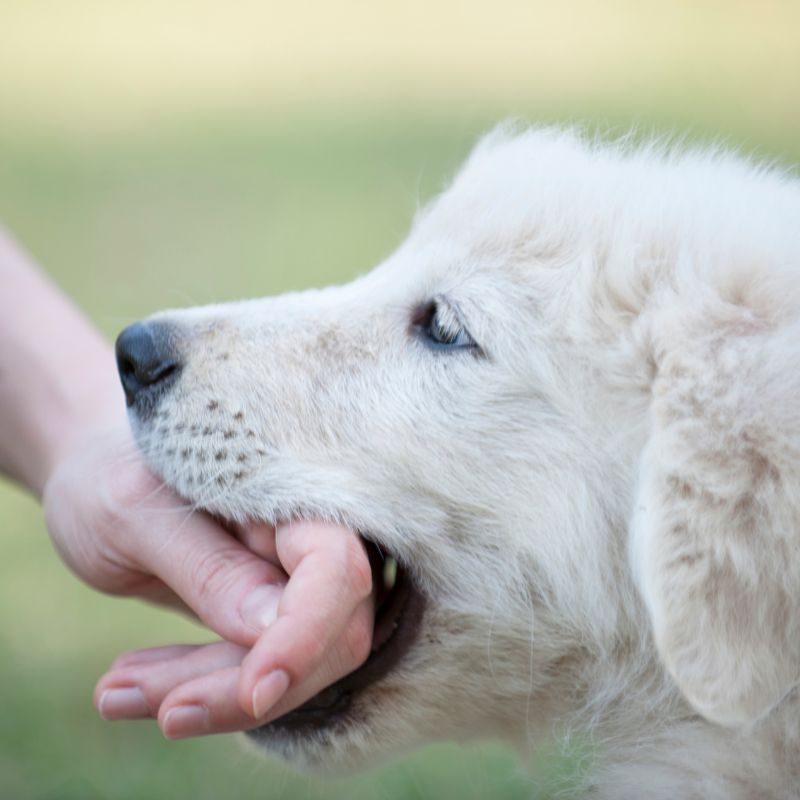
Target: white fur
[604, 509]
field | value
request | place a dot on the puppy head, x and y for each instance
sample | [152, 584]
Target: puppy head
[476, 407]
[437, 406]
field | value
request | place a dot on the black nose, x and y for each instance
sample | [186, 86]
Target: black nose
[147, 361]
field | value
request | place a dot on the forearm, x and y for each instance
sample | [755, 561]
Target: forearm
[57, 374]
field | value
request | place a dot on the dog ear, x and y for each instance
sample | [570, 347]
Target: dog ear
[715, 538]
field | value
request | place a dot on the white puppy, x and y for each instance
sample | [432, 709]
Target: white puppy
[569, 407]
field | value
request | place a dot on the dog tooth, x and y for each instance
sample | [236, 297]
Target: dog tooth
[389, 573]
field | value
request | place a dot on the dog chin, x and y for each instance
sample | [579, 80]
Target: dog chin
[340, 745]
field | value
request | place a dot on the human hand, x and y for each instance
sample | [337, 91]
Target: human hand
[319, 630]
[294, 603]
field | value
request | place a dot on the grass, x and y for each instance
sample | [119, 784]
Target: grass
[207, 163]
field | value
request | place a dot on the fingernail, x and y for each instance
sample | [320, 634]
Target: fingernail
[260, 608]
[186, 721]
[123, 703]
[268, 691]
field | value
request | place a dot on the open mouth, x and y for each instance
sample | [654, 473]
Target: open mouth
[398, 612]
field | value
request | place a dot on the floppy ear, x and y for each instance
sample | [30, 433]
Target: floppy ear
[715, 539]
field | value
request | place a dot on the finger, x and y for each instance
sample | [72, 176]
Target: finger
[205, 705]
[160, 594]
[259, 537]
[330, 581]
[151, 654]
[231, 590]
[209, 704]
[137, 690]
[346, 655]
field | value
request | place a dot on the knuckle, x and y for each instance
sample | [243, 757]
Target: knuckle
[82, 532]
[216, 571]
[55, 492]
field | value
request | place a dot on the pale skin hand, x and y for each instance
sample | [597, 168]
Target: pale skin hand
[320, 629]
[295, 606]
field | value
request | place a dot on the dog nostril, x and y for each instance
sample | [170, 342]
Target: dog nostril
[161, 372]
[146, 359]
[125, 366]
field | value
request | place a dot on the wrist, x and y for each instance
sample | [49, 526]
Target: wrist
[55, 404]
[76, 413]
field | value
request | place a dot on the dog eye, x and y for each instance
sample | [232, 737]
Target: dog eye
[441, 328]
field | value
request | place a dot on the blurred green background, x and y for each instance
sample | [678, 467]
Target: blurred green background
[174, 152]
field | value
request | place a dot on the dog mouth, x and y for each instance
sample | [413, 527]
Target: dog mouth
[399, 607]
